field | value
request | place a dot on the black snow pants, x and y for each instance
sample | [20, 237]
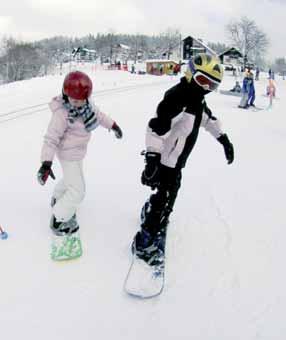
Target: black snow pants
[157, 209]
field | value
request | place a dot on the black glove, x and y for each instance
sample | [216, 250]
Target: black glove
[117, 131]
[228, 148]
[151, 174]
[45, 171]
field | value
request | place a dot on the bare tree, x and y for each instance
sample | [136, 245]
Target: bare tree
[20, 60]
[218, 47]
[138, 46]
[280, 65]
[111, 41]
[248, 38]
[170, 40]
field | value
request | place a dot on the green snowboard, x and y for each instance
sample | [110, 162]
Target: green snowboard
[67, 247]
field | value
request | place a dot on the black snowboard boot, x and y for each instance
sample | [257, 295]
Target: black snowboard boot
[150, 248]
[64, 228]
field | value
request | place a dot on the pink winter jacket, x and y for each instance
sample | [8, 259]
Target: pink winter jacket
[65, 138]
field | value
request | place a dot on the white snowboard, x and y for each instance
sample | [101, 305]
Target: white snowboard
[144, 281]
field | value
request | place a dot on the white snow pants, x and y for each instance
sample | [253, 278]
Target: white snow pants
[69, 191]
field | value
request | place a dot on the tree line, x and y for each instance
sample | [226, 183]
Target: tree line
[23, 60]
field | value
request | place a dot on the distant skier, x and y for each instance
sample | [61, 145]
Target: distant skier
[271, 74]
[248, 91]
[251, 93]
[257, 72]
[236, 88]
[74, 116]
[271, 91]
[168, 146]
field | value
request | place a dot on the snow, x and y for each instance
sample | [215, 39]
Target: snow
[224, 275]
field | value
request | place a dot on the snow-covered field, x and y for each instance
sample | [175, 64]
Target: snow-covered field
[226, 243]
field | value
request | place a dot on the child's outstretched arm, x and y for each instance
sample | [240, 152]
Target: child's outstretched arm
[213, 126]
[104, 120]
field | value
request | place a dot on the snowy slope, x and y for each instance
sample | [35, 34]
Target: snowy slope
[225, 277]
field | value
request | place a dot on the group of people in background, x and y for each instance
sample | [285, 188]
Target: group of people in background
[248, 88]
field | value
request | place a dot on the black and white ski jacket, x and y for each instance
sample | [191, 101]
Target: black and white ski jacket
[174, 130]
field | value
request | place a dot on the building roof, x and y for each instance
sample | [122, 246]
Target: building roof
[232, 52]
[88, 50]
[83, 49]
[199, 42]
[124, 47]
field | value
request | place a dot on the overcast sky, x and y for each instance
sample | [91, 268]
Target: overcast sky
[36, 19]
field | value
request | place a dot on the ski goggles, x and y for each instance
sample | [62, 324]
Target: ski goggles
[206, 82]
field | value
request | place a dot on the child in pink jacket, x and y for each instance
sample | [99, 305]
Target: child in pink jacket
[74, 116]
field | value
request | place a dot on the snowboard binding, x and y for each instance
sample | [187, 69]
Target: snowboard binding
[64, 228]
[150, 249]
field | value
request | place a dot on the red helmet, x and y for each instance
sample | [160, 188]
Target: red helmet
[77, 85]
